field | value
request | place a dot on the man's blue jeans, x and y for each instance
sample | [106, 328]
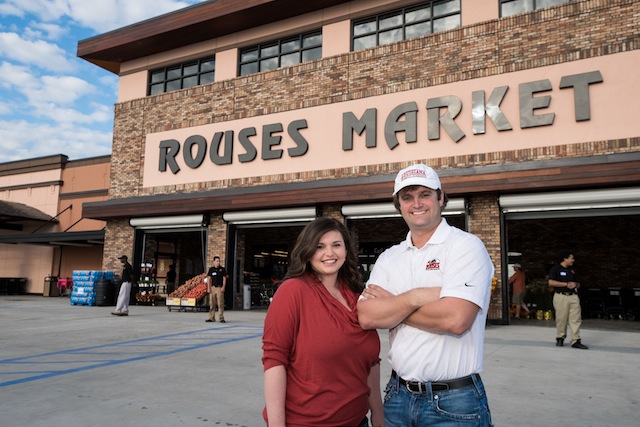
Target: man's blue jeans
[466, 406]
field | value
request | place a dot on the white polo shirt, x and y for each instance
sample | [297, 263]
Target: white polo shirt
[458, 262]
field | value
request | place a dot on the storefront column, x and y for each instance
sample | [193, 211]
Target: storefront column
[484, 222]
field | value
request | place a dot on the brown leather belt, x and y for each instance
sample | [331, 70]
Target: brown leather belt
[422, 388]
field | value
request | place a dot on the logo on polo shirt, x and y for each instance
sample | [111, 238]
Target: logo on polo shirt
[434, 264]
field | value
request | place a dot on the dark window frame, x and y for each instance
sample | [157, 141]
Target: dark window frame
[275, 50]
[535, 5]
[174, 76]
[431, 20]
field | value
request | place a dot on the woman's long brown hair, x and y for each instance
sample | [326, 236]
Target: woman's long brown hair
[307, 244]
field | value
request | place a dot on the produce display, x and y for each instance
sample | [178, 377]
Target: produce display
[148, 298]
[198, 292]
[192, 288]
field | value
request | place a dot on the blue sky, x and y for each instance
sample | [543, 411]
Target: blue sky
[51, 101]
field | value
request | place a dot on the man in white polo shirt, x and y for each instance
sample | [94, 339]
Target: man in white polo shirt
[432, 291]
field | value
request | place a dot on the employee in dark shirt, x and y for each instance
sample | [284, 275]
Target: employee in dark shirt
[564, 280]
[122, 306]
[216, 284]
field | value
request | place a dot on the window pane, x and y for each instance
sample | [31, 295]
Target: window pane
[315, 40]
[271, 50]
[156, 89]
[269, 64]
[249, 55]
[249, 68]
[190, 69]
[515, 7]
[290, 59]
[448, 23]
[206, 78]
[418, 30]
[547, 3]
[207, 65]
[173, 85]
[189, 81]
[390, 22]
[364, 28]
[312, 54]
[452, 6]
[174, 72]
[390, 36]
[157, 76]
[290, 46]
[364, 42]
[417, 15]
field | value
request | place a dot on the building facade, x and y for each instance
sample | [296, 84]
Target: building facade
[238, 122]
[43, 233]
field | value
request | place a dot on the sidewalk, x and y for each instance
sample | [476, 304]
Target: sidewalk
[68, 366]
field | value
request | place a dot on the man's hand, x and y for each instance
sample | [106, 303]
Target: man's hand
[375, 291]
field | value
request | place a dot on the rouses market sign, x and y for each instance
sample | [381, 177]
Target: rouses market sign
[456, 119]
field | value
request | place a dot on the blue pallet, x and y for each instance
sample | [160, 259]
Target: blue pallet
[89, 300]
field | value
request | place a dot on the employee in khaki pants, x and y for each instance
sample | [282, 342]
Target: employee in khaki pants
[216, 284]
[564, 280]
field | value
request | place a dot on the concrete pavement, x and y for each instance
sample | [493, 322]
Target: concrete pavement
[63, 365]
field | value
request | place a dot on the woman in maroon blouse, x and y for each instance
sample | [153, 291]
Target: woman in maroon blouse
[320, 367]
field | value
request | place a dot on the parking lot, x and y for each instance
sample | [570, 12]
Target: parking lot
[64, 365]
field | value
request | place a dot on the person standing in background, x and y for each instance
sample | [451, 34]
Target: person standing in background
[518, 281]
[216, 284]
[171, 279]
[122, 305]
[564, 281]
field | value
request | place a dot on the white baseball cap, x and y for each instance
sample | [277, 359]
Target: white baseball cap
[418, 174]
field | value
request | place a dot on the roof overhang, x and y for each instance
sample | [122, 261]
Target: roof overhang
[68, 238]
[194, 24]
[615, 170]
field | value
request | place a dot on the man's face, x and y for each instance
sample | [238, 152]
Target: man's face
[216, 263]
[420, 208]
[569, 261]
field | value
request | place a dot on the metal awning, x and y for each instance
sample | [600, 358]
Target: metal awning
[572, 204]
[68, 238]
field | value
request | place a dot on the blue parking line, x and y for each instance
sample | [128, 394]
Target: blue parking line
[246, 333]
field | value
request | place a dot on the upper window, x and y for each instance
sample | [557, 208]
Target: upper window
[281, 53]
[182, 76]
[512, 7]
[407, 23]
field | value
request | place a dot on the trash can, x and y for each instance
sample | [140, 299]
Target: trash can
[50, 287]
[105, 293]
[246, 300]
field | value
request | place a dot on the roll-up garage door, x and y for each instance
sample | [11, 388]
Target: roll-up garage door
[572, 204]
[271, 216]
[162, 222]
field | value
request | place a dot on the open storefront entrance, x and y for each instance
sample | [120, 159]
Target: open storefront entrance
[599, 226]
[161, 242]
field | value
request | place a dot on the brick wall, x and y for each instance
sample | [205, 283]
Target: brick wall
[561, 34]
[484, 222]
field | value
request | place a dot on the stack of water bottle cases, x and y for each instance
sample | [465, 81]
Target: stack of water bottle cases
[84, 285]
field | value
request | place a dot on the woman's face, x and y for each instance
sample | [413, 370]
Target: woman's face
[330, 254]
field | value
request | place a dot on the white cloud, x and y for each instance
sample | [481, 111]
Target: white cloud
[37, 30]
[5, 108]
[16, 76]
[48, 10]
[107, 15]
[37, 53]
[24, 140]
[63, 89]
